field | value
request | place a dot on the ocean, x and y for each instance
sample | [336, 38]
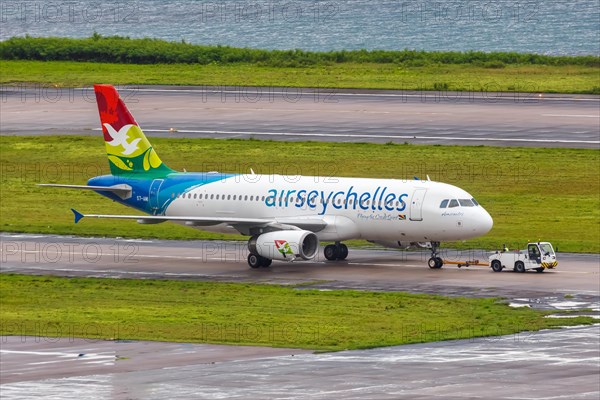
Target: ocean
[544, 27]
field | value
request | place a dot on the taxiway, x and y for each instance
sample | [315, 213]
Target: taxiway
[296, 114]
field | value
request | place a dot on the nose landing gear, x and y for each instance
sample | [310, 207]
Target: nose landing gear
[435, 262]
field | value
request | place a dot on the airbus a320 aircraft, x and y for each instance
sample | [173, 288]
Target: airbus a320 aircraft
[284, 216]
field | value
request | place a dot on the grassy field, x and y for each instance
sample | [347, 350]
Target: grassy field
[463, 77]
[236, 314]
[532, 194]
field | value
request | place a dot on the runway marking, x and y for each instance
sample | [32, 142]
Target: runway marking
[331, 92]
[355, 136]
[571, 115]
[403, 114]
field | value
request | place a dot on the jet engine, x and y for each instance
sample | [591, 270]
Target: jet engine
[285, 245]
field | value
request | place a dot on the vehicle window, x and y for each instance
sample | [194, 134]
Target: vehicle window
[195, 195]
[475, 202]
[453, 203]
[466, 203]
[546, 248]
[533, 251]
[444, 203]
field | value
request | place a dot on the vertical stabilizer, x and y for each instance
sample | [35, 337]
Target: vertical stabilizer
[128, 150]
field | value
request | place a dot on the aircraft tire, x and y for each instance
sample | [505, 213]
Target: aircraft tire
[435, 263]
[342, 252]
[266, 262]
[439, 262]
[254, 261]
[331, 252]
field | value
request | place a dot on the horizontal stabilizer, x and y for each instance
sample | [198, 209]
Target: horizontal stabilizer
[123, 191]
[77, 214]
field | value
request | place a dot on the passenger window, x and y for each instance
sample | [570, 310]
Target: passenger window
[200, 196]
[195, 195]
[453, 203]
[444, 203]
[251, 198]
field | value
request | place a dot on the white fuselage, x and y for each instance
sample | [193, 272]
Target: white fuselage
[354, 208]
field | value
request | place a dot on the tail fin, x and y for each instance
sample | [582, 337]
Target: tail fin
[127, 148]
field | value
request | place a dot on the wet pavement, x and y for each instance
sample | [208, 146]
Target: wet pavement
[556, 364]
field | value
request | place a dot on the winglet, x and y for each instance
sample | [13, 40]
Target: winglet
[77, 214]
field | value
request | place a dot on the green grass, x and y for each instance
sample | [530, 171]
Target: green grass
[532, 193]
[119, 49]
[512, 78]
[233, 313]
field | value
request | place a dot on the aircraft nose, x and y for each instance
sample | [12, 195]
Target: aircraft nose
[485, 222]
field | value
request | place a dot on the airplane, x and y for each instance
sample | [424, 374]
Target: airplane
[285, 217]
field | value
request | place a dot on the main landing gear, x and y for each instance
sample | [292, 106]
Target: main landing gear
[256, 261]
[337, 251]
[435, 262]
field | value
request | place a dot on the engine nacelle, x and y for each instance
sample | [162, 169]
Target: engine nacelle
[285, 245]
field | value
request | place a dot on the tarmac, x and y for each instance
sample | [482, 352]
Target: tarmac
[320, 114]
[555, 364]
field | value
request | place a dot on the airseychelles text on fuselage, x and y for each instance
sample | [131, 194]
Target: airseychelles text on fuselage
[381, 199]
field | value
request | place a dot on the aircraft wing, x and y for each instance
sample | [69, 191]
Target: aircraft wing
[241, 224]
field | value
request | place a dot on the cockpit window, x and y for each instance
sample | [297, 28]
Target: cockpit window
[475, 202]
[444, 203]
[466, 203]
[453, 203]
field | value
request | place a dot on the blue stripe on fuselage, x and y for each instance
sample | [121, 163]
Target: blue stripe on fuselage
[173, 184]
